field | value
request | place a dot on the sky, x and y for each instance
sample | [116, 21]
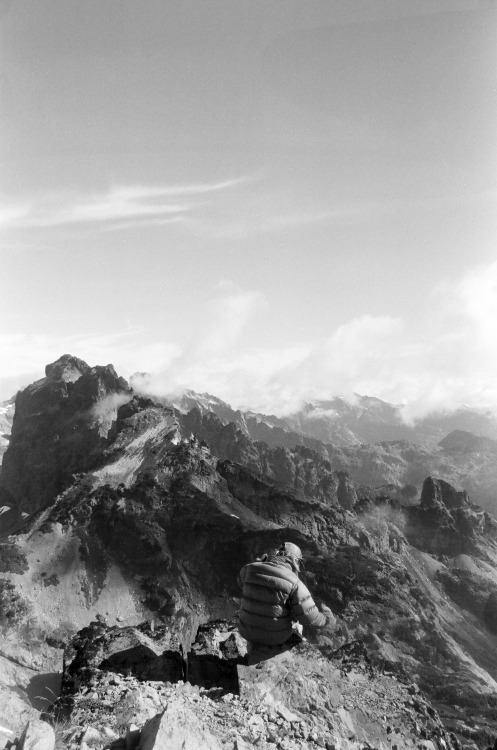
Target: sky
[268, 200]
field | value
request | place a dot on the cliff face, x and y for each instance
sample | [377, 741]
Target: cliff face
[169, 507]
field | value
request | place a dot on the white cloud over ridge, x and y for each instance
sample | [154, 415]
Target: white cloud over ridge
[452, 364]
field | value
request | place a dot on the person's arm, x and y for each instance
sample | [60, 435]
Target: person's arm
[330, 617]
[304, 609]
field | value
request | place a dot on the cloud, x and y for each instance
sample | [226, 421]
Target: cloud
[249, 222]
[453, 363]
[119, 207]
[477, 292]
[25, 356]
[206, 361]
[227, 209]
[227, 315]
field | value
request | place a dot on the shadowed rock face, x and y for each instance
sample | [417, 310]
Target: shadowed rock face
[207, 658]
[143, 652]
[60, 428]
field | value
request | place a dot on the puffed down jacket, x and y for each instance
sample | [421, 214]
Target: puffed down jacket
[273, 595]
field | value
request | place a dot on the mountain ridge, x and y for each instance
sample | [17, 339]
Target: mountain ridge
[155, 525]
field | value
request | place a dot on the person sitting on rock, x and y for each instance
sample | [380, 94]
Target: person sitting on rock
[274, 598]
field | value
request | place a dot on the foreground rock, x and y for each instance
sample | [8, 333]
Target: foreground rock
[298, 700]
[38, 735]
[177, 728]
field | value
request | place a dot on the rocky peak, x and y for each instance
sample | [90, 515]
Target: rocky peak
[67, 368]
[439, 494]
[60, 427]
[447, 523]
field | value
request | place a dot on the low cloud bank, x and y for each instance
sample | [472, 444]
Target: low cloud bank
[451, 365]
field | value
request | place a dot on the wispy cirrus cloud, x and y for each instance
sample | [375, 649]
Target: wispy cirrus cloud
[117, 208]
[228, 209]
[237, 227]
[271, 209]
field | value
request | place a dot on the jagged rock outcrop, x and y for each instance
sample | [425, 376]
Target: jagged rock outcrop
[207, 656]
[439, 494]
[446, 523]
[60, 428]
[142, 651]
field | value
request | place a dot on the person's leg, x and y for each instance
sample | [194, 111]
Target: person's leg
[260, 652]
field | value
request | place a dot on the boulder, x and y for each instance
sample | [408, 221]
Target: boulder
[133, 652]
[217, 651]
[37, 735]
[140, 651]
[177, 728]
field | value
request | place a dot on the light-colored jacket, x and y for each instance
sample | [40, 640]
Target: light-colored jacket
[273, 596]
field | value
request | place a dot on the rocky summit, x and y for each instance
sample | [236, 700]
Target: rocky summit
[127, 522]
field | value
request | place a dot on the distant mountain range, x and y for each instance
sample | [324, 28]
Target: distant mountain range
[341, 422]
[369, 440]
